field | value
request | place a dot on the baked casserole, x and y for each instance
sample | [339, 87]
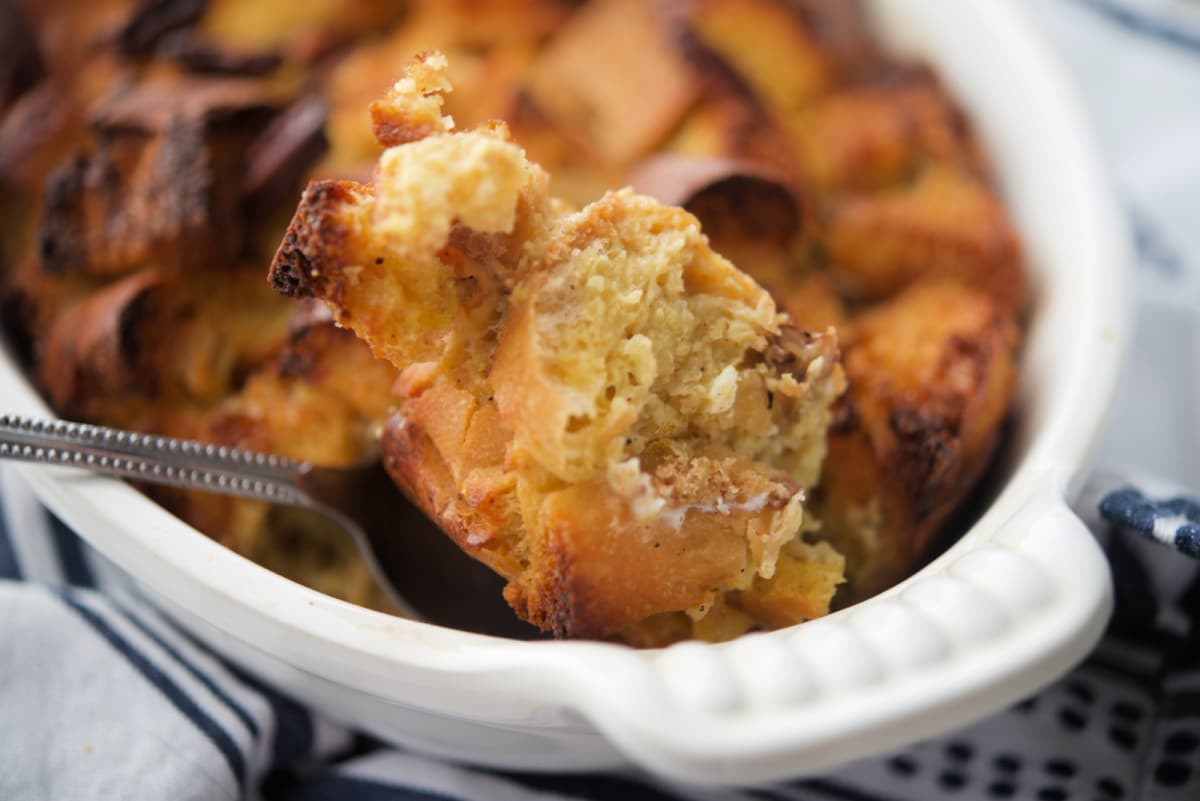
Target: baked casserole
[750, 387]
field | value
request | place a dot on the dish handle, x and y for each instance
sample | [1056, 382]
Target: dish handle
[1002, 613]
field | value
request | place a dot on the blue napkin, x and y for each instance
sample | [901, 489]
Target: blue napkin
[101, 697]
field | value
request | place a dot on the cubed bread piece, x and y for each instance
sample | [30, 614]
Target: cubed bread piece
[160, 338]
[321, 397]
[768, 46]
[594, 403]
[946, 224]
[592, 102]
[932, 374]
[161, 186]
[300, 28]
[867, 138]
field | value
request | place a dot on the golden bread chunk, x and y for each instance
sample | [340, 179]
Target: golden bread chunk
[298, 27]
[716, 127]
[321, 398]
[595, 403]
[768, 46]
[945, 224]
[931, 374]
[856, 140]
[591, 103]
[869, 138]
[159, 337]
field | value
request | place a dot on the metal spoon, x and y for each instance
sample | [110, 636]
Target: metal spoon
[420, 569]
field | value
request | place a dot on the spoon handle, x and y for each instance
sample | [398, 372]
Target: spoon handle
[152, 458]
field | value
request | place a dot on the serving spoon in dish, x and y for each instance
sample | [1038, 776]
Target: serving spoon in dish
[420, 569]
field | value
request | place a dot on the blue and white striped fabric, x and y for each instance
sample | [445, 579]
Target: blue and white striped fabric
[103, 698]
[1175, 522]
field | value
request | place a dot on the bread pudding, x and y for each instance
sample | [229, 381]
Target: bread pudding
[594, 403]
[629, 404]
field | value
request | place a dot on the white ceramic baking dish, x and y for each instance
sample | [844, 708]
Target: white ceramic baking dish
[1020, 597]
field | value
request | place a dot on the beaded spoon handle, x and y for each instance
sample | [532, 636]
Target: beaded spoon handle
[360, 498]
[154, 459]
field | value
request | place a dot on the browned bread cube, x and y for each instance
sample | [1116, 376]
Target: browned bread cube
[161, 186]
[931, 376]
[945, 224]
[592, 103]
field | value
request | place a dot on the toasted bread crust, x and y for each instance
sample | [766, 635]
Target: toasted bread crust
[302, 266]
[931, 375]
[94, 350]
